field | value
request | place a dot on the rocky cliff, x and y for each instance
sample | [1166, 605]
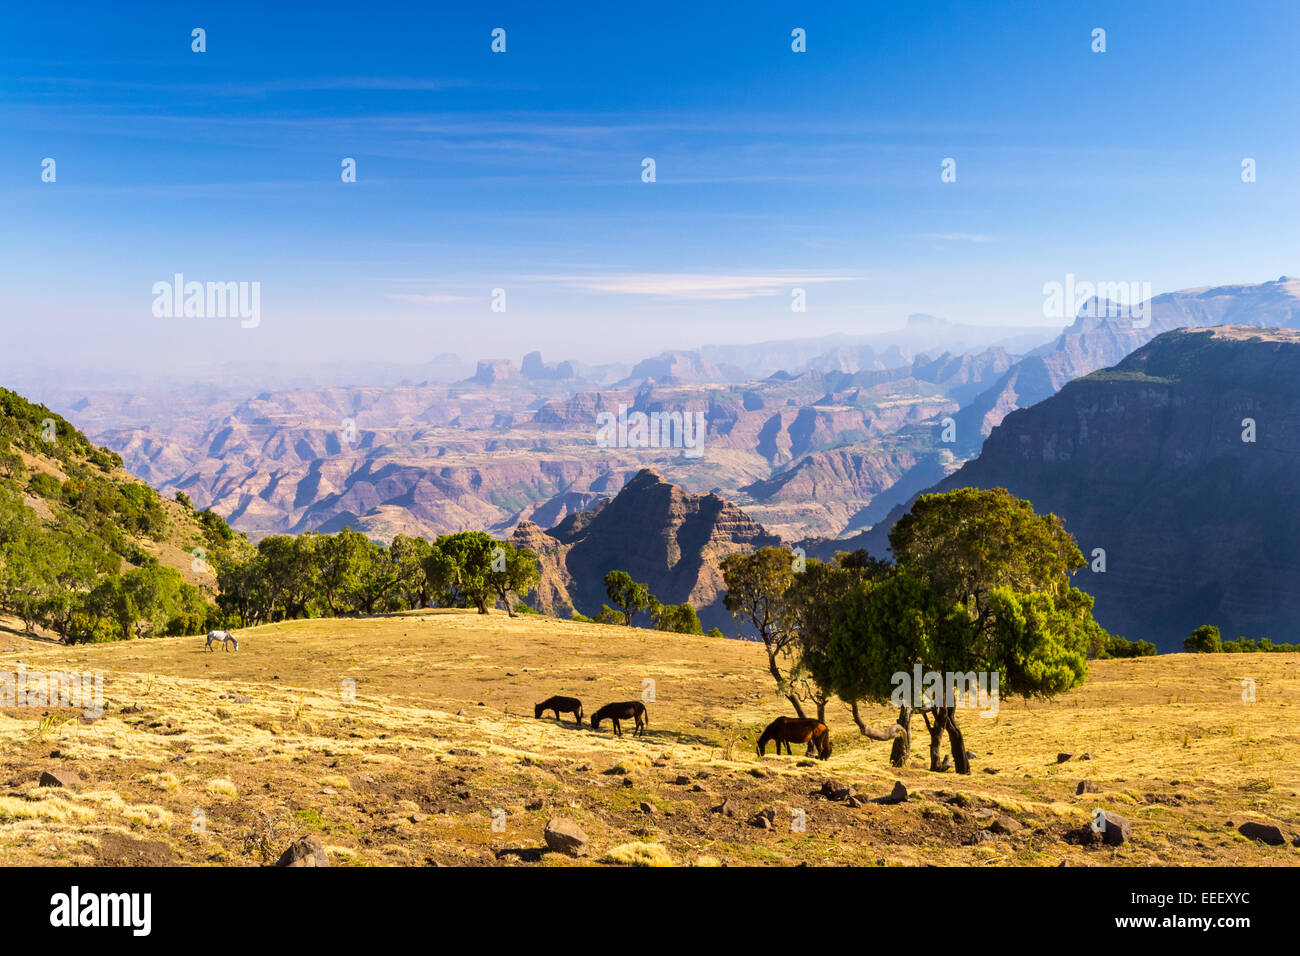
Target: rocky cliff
[655, 531]
[1096, 340]
[1180, 464]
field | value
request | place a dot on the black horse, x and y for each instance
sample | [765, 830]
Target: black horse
[626, 710]
[561, 705]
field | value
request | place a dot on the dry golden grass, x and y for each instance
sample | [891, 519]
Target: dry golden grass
[409, 739]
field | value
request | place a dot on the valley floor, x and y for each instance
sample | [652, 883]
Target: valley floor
[399, 740]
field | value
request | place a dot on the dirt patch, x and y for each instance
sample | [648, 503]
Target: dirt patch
[118, 849]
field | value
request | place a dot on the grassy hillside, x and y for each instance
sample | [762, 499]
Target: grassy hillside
[74, 523]
[263, 744]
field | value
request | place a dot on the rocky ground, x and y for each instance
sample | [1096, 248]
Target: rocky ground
[410, 740]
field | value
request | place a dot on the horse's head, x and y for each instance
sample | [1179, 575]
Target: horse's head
[236, 641]
[826, 751]
[537, 711]
[595, 720]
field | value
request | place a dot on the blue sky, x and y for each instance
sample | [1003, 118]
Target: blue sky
[522, 170]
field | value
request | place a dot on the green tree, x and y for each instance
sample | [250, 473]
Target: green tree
[676, 618]
[811, 598]
[459, 568]
[514, 570]
[409, 557]
[339, 561]
[627, 595]
[1204, 640]
[756, 592]
[981, 588]
[376, 579]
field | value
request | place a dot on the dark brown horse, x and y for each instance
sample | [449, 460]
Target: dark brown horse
[626, 710]
[797, 730]
[561, 705]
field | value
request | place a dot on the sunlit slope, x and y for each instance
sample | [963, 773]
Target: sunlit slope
[396, 738]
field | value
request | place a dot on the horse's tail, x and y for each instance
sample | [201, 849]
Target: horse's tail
[645, 715]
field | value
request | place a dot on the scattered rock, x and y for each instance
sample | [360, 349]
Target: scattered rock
[698, 789]
[534, 805]
[646, 808]
[304, 851]
[971, 755]
[419, 817]
[764, 818]
[725, 808]
[806, 763]
[853, 802]
[461, 712]
[990, 770]
[462, 752]
[1295, 841]
[980, 836]
[897, 795]
[834, 791]
[1062, 758]
[565, 836]
[1087, 786]
[1109, 828]
[61, 778]
[1005, 825]
[682, 780]
[328, 791]
[1263, 832]
[756, 772]
[1085, 756]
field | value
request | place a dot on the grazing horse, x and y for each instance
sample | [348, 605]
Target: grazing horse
[561, 705]
[798, 730]
[224, 638]
[626, 710]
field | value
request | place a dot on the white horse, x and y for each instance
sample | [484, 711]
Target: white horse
[224, 638]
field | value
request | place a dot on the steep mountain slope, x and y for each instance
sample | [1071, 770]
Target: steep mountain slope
[1150, 461]
[1096, 341]
[71, 519]
[655, 531]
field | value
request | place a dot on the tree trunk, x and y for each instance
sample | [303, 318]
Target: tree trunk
[893, 733]
[902, 749]
[958, 745]
[936, 728]
[776, 674]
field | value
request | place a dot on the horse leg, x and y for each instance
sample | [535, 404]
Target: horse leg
[618, 728]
